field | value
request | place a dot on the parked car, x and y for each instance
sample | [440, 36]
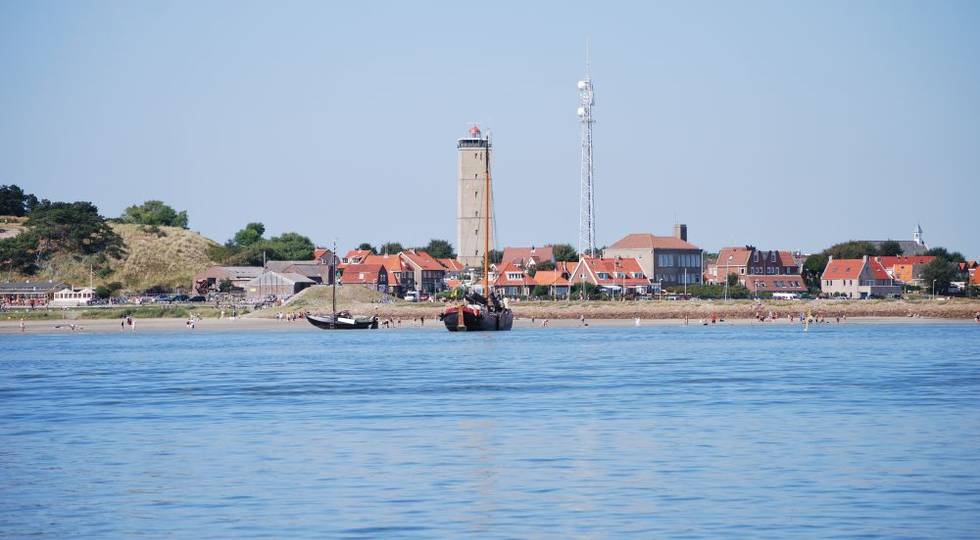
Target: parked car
[198, 298]
[179, 298]
[410, 297]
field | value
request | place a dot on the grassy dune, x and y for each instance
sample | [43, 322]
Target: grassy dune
[168, 256]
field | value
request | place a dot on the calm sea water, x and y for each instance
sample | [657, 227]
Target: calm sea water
[868, 431]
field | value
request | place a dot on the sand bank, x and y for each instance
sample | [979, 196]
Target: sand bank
[258, 324]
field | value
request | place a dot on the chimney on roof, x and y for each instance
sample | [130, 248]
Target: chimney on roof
[680, 231]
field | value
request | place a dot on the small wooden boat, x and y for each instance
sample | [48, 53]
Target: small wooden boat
[342, 321]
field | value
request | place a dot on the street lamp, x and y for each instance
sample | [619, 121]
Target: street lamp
[934, 289]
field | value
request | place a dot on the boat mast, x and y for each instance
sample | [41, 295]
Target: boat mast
[333, 279]
[486, 226]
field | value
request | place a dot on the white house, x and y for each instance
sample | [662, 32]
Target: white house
[73, 297]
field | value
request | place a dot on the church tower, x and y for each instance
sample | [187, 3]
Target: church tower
[917, 235]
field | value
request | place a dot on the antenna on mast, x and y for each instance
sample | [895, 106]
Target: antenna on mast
[586, 99]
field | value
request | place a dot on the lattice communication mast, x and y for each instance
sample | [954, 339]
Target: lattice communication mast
[586, 99]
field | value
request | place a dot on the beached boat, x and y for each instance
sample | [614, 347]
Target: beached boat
[480, 313]
[341, 320]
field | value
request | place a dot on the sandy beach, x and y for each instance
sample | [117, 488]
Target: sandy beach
[259, 324]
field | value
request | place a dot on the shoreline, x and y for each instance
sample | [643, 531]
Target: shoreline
[259, 324]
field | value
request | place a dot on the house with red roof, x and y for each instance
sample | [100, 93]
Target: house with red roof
[324, 255]
[670, 260]
[750, 261]
[511, 279]
[529, 256]
[612, 274]
[355, 256]
[401, 276]
[454, 269]
[858, 278]
[556, 281]
[905, 268]
[430, 275]
[374, 276]
[760, 271]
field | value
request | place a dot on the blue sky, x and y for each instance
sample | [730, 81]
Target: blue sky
[783, 124]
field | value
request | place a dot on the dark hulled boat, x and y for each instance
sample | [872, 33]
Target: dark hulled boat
[342, 321]
[479, 315]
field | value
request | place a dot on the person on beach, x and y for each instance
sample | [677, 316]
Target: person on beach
[636, 321]
[422, 319]
[23, 327]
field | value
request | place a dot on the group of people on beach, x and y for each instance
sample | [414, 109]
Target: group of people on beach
[397, 322]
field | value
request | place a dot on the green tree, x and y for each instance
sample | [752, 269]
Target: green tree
[74, 227]
[851, 250]
[251, 234]
[13, 201]
[732, 279]
[713, 291]
[812, 270]
[940, 271]
[108, 290]
[943, 253]
[154, 213]
[391, 248]
[19, 254]
[286, 247]
[889, 248]
[591, 291]
[495, 256]
[440, 249]
[367, 247]
[540, 291]
[564, 252]
[545, 265]
[291, 247]
[225, 285]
